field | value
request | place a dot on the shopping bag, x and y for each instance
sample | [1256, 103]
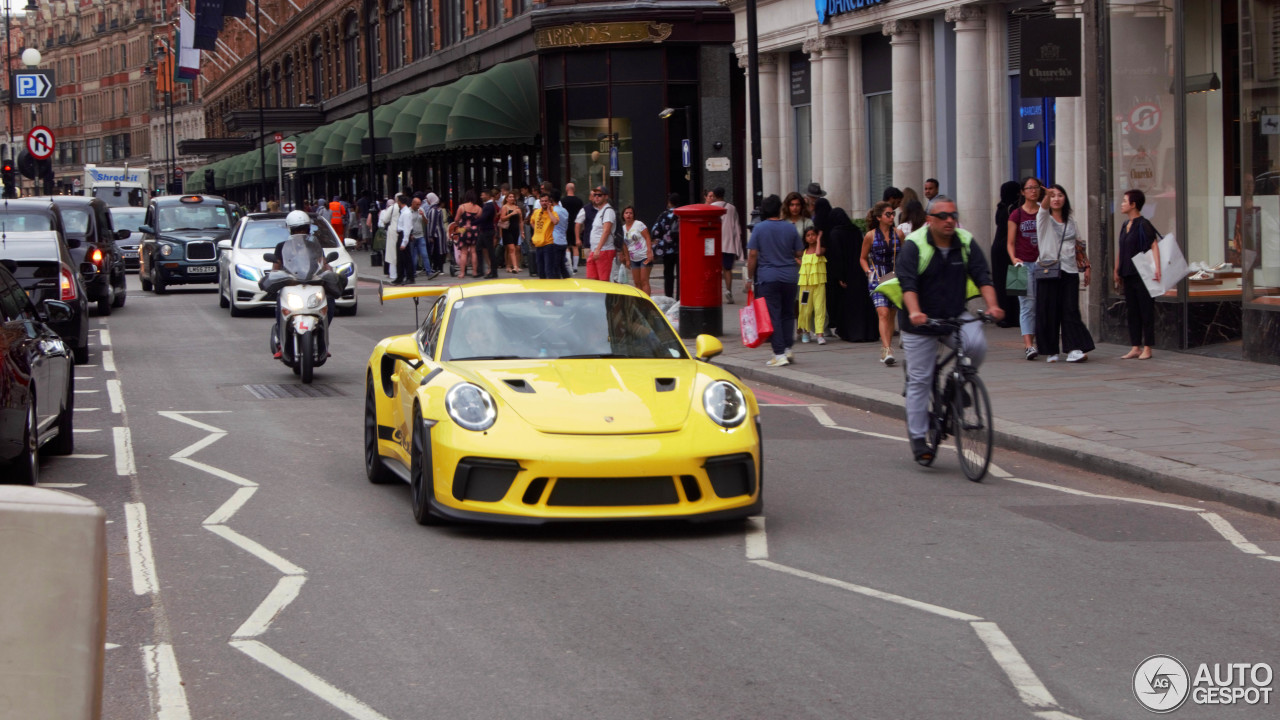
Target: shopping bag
[754, 318]
[1173, 267]
[1015, 280]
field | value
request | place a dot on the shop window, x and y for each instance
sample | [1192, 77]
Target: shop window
[552, 70]
[317, 72]
[421, 30]
[587, 67]
[289, 96]
[351, 51]
[682, 63]
[375, 57]
[395, 35]
[451, 22]
[879, 145]
[640, 65]
[1254, 226]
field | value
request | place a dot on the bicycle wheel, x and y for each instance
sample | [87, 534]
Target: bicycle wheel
[973, 427]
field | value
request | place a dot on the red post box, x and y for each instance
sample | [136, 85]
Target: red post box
[700, 270]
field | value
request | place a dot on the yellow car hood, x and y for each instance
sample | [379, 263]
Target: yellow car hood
[594, 397]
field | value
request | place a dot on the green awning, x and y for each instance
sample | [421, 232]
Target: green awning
[193, 181]
[351, 153]
[235, 171]
[314, 157]
[384, 116]
[273, 162]
[435, 119]
[404, 131]
[220, 169]
[333, 146]
[498, 107]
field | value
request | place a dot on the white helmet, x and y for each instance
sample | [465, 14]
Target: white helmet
[298, 219]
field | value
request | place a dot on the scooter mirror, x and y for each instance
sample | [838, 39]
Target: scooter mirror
[269, 257]
[331, 257]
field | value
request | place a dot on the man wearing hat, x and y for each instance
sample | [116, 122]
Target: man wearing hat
[730, 239]
[600, 250]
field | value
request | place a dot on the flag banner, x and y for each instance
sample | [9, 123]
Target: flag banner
[208, 23]
[235, 8]
[188, 55]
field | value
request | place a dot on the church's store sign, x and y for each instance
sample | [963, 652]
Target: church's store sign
[579, 34]
[830, 8]
[1051, 57]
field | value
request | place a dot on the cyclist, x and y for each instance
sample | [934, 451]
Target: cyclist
[953, 270]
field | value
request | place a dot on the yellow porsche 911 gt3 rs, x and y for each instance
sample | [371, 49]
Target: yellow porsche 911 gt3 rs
[545, 400]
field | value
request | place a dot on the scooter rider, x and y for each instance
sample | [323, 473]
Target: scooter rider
[299, 225]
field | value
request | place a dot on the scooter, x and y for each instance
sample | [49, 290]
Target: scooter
[301, 332]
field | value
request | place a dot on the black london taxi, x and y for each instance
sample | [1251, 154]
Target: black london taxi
[180, 237]
[101, 262]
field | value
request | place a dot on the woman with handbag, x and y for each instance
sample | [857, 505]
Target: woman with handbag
[1023, 250]
[1137, 235]
[1058, 273]
[879, 258]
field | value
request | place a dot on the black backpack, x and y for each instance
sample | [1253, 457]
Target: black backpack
[619, 240]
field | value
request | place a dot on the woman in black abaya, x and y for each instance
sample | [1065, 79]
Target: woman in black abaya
[848, 303]
[1010, 198]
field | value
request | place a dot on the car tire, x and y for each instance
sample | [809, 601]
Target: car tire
[121, 294]
[421, 478]
[65, 443]
[348, 312]
[223, 301]
[157, 282]
[81, 353]
[105, 304]
[374, 468]
[26, 467]
[235, 309]
[145, 279]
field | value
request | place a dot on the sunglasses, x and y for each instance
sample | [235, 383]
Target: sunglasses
[944, 216]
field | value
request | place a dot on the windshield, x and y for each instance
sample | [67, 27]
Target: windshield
[75, 221]
[301, 258]
[559, 325]
[194, 216]
[25, 222]
[130, 219]
[263, 234]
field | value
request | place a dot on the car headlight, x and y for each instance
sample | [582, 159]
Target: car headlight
[725, 404]
[470, 406]
[345, 269]
[252, 274]
[166, 249]
[315, 299]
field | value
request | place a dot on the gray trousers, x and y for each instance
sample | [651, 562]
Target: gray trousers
[922, 353]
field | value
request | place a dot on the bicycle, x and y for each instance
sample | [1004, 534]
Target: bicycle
[960, 405]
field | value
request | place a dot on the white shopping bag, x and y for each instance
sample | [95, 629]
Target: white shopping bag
[1173, 267]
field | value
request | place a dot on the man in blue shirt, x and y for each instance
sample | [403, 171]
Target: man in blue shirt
[560, 235]
[773, 263]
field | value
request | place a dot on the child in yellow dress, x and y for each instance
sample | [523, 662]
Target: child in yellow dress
[813, 288]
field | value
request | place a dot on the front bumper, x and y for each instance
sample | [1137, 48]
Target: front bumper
[187, 272]
[247, 294]
[701, 472]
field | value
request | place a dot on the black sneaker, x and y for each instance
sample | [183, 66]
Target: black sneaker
[920, 449]
[1032, 354]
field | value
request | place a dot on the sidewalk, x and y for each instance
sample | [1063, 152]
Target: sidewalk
[1197, 426]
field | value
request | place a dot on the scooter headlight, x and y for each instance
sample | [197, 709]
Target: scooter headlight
[315, 300]
[725, 404]
[294, 301]
[470, 406]
[252, 274]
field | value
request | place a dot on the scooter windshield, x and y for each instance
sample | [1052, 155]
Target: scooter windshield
[301, 257]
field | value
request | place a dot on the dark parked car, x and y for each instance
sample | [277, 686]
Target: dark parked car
[36, 381]
[130, 220]
[32, 236]
[86, 219]
[180, 239]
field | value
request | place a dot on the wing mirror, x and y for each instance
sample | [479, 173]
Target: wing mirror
[224, 244]
[123, 234]
[54, 311]
[707, 347]
[331, 257]
[404, 348]
[269, 257]
[73, 243]
[146, 230]
[349, 243]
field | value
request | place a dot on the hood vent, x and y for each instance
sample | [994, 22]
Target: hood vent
[519, 385]
[665, 384]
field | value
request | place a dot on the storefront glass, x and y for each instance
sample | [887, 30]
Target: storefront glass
[879, 144]
[1255, 224]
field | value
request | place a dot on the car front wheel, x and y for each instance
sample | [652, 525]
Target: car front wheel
[421, 478]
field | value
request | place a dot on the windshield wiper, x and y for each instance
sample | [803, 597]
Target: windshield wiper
[182, 229]
[593, 356]
[492, 357]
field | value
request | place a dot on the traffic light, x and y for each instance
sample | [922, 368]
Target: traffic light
[10, 182]
[209, 177]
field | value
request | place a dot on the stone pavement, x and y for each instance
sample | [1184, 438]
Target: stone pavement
[1203, 427]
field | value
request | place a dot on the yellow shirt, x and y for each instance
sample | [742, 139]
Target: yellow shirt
[544, 223]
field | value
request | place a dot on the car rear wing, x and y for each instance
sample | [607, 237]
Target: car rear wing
[414, 291]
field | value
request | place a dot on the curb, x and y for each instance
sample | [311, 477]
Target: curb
[1170, 476]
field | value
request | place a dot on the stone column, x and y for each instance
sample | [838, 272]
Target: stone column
[770, 136]
[814, 48]
[858, 190]
[834, 173]
[972, 192]
[786, 130]
[928, 116]
[907, 153]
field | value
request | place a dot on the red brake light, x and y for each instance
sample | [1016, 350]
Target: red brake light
[97, 256]
[67, 286]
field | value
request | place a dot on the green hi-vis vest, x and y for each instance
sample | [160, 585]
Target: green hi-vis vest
[892, 290]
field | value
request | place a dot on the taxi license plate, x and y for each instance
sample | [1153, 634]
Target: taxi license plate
[130, 255]
[202, 269]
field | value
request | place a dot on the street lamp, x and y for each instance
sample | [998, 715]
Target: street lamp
[165, 79]
[688, 130]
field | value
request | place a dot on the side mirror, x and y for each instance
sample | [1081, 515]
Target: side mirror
[54, 311]
[146, 230]
[123, 234]
[73, 243]
[269, 257]
[349, 243]
[707, 347]
[331, 257]
[404, 348]
[224, 244]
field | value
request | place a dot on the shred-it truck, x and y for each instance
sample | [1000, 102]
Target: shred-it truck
[118, 186]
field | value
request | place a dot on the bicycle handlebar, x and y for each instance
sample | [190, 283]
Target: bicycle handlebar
[955, 323]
